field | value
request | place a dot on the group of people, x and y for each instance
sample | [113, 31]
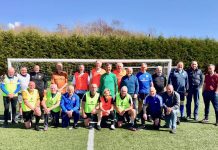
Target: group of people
[117, 97]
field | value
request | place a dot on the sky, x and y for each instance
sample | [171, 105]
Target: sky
[186, 18]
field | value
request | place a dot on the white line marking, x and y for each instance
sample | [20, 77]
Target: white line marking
[90, 143]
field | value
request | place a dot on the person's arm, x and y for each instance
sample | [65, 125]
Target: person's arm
[186, 82]
[18, 87]
[74, 81]
[201, 79]
[116, 84]
[170, 78]
[151, 82]
[100, 90]
[217, 85]
[62, 104]
[176, 100]
[52, 79]
[122, 82]
[45, 82]
[4, 90]
[77, 104]
[136, 86]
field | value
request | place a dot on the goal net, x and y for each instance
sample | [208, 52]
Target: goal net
[71, 65]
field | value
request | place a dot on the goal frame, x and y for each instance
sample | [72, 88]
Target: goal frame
[169, 61]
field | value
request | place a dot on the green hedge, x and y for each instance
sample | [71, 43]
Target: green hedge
[31, 44]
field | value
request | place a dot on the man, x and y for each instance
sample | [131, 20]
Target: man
[60, 78]
[210, 92]
[96, 73]
[51, 106]
[90, 107]
[106, 109]
[124, 108]
[119, 72]
[171, 102]
[159, 80]
[145, 83]
[24, 79]
[31, 106]
[10, 88]
[81, 81]
[179, 79]
[40, 81]
[155, 103]
[195, 78]
[70, 104]
[132, 84]
[108, 80]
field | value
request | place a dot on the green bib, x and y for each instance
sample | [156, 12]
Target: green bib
[10, 85]
[122, 103]
[51, 101]
[91, 103]
[32, 99]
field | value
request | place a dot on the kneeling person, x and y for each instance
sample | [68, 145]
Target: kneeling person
[106, 109]
[124, 108]
[31, 106]
[155, 103]
[90, 107]
[70, 104]
[51, 105]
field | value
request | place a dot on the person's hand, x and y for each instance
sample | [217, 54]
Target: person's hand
[122, 113]
[69, 113]
[145, 116]
[48, 110]
[93, 111]
[135, 96]
[168, 110]
[84, 115]
[11, 95]
[107, 112]
[186, 93]
[37, 111]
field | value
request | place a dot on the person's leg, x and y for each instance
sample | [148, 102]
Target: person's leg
[182, 102]
[37, 114]
[46, 116]
[168, 121]
[189, 101]
[76, 118]
[6, 107]
[215, 105]
[132, 114]
[28, 119]
[196, 101]
[14, 108]
[55, 117]
[65, 120]
[119, 120]
[173, 118]
[206, 97]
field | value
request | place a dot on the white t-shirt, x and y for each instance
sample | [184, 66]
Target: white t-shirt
[24, 81]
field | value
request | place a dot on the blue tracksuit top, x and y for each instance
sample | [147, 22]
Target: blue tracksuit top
[179, 80]
[70, 102]
[155, 103]
[131, 83]
[145, 80]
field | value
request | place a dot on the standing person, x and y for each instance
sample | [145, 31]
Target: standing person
[90, 107]
[145, 83]
[31, 106]
[119, 72]
[195, 78]
[179, 79]
[108, 80]
[159, 80]
[155, 104]
[210, 92]
[171, 102]
[81, 81]
[132, 84]
[96, 73]
[24, 79]
[70, 104]
[40, 81]
[60, 78]
[106, 109]
[124, 108]
[51, 106]
[10, 88]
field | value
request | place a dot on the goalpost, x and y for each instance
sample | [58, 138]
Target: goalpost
[89, 63]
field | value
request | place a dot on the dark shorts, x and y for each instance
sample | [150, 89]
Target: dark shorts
[122, 118]
[27, 116]
[90, 116]
[141, 96]
[156, 116]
